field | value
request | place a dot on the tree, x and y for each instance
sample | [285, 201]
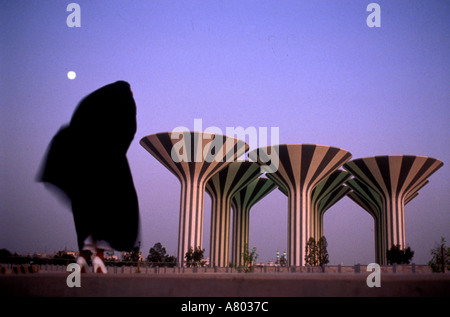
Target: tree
[195, 257]
[157, 253]
[316, 253]
[311, 252]
[283, 260]
[133, 255]
[5, 253]
[395, 255]
[322, 256]
[170, 261]
[441, 258]
[248, 259]
[158, 256]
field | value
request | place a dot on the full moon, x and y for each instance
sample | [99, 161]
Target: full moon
[71, 75]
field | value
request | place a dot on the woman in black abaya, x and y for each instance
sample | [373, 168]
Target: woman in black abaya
[87, 161]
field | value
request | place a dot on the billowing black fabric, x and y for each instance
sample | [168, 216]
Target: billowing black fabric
[87, 161]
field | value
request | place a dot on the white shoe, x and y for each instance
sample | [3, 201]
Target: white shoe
[99, 265]
[83, 264]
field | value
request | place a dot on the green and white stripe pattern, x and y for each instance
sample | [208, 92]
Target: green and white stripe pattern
[193, 157]
[326, 203]
[325, 195]
[396, 179]
[301, 167]
[221, 187]
[369, 199]
[242, 202]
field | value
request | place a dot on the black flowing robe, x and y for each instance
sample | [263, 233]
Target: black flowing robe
[87, 161]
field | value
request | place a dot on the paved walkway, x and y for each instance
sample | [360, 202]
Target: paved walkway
[54, 284]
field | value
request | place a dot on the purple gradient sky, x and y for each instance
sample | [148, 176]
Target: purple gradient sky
[313, 69]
